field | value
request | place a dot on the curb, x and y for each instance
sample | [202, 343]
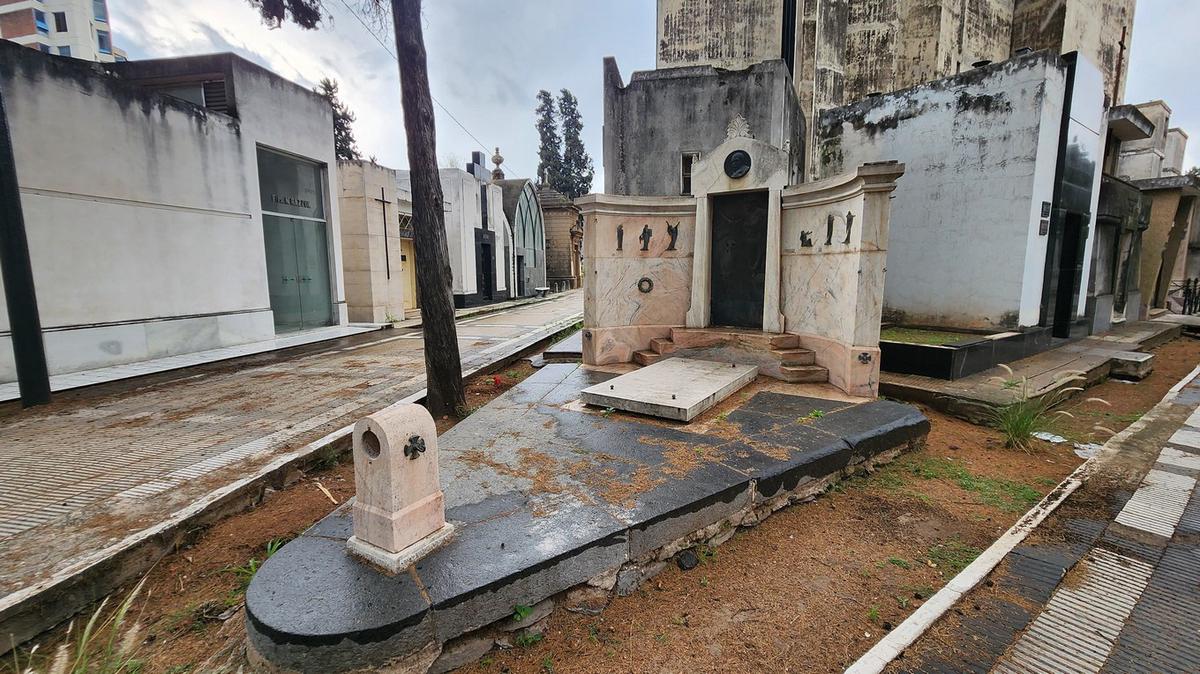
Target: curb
[28, 612]
[906, 633]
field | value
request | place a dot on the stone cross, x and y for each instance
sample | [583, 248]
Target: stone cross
[399, 509]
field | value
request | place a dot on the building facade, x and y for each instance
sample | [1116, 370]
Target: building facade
[991, 228]
[76, 28]
[523, 212]
[840, 51]
[376, 262]
[179, 228]
[564, 239]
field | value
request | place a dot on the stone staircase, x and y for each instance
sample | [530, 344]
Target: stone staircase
[780, 356]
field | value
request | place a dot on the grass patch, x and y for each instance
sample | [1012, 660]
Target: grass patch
[929, 337]
[900, 562]
[1005, 495]
[953, 555]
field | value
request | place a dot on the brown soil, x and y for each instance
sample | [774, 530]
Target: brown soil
[809, 590]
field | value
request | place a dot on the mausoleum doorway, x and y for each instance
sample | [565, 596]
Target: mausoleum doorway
[739, 255]
[296, 241]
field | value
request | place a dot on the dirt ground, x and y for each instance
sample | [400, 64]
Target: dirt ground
[795, 594]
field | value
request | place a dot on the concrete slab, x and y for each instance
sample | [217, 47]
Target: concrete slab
[677, 388]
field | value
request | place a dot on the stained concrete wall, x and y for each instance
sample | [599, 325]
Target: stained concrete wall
[152, 243]
[981, 152]
[894, 44]
[1174, 147]
[1143, 159]
[1094, 28]
[650, 122]
[745, 32]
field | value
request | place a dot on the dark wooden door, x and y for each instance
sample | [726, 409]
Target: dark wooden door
[739, 259]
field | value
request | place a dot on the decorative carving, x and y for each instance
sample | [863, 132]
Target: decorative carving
[647, 234]
[414, 447]
[864, 358]
[849, 225]
[620, 236]
[673, 232]
[738, 128]
[829, 230]
[737, 164]
[645, 284]
[806, 239]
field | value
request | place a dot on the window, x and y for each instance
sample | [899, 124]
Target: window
[39, 19]
[64, 51]
[100, 10]
[686, 161]
[60, 22]
[45, 48]
[104, 42]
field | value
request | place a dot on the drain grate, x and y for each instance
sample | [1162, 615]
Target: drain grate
[1157, 505]
[1077, 629]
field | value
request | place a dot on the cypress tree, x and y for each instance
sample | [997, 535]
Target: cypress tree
[344, 144]
[577, 168]
[550, 145]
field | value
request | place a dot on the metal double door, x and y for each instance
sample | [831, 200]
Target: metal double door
[298, 272]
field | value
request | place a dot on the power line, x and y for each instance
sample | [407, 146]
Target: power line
[446, 110]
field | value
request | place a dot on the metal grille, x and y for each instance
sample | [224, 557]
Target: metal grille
[215, 98]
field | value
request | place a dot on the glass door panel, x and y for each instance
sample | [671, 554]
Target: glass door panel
[312, 257]
[283, 279]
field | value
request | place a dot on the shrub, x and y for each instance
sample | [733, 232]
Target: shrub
[1029, 412]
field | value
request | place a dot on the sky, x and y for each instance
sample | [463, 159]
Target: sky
[488, 59]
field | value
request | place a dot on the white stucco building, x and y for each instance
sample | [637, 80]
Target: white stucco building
[991, 227]
[178, 227]
[76, 28]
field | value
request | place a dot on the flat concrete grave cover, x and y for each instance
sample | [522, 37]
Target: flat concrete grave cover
[676, 388]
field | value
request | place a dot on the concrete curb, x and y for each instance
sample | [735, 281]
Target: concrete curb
[474, 312]
[905, 634]
[32, 610]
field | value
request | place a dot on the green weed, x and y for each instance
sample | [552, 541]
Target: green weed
[521, 612]
[527, 639]
[1030, 413]
[873, 614]
[811, 416]
[953, 555]
[900, 562]
[1005, 495]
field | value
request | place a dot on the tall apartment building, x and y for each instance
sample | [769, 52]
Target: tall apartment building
[75, 28]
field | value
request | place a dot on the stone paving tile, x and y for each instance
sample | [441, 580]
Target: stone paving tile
[162, 436]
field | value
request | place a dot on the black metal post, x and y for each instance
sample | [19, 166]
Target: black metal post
[28, 350]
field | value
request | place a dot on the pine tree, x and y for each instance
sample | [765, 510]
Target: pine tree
[550, 147]
[343, 133]
[577, 168]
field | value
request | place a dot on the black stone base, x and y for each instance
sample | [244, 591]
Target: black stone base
[972, 355]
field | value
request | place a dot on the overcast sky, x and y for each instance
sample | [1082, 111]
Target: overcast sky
[488, 59]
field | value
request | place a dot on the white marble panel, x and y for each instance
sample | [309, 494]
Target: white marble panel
[248, 327]
[168, 338]
[87, 348]
[618, 301]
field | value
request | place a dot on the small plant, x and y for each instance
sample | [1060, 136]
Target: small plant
[723, 417]
[900, 562]
[902, 601]
[811, 416]
[608, 411]
[1029, 412]
[390, 318]
[527, 639]
[245, 572]
[704, 582]
[953, 555]
[548, 665]
[105, 645]
[521, 612]
[873, 614]
[707, 554]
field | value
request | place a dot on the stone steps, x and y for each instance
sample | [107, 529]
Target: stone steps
[792, 357]
[803, 374]
[647, 357]
[662, 345]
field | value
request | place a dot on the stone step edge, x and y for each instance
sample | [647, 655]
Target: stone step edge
[894, 643]
[53, 601]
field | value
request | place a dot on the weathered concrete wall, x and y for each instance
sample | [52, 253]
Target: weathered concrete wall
[561, 217]
[820, 66]
[1173, 152]
[1143, 159]
[660, 114]
[894, 44]
[719, 33]
[981, 151]
[1094, 28]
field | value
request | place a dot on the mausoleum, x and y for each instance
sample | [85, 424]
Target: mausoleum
[750, 268]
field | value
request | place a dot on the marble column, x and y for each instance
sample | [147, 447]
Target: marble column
[698, 313]
[772, 317]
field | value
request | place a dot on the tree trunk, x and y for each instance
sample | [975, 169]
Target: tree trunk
[443, 369]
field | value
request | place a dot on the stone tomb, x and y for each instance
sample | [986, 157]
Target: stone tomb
[746, 251]
[677, 388]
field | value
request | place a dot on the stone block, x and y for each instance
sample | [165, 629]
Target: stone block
[1131, 365]
[676, 388]
[399, 511]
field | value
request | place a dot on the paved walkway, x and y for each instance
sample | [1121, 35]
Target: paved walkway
[74, 380]
[1110, 582]
[96, 470]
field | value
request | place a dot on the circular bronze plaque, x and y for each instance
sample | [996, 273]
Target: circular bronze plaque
[737, 164]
